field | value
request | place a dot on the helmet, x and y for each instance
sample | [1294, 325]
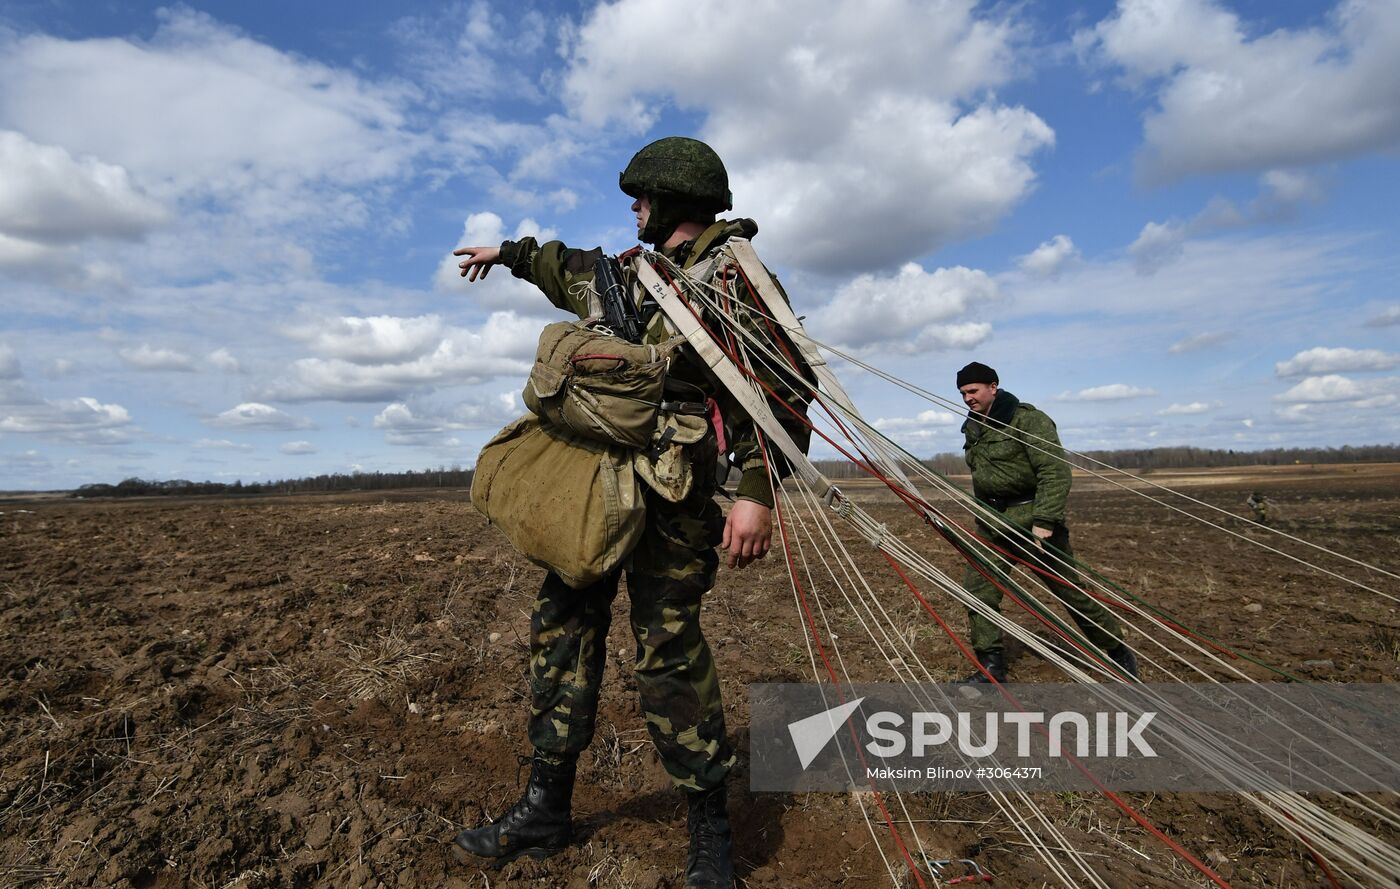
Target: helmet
[679, 168]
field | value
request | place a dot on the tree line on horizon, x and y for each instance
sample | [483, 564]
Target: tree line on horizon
[442, 477]
[1145, 460]
[947, 464]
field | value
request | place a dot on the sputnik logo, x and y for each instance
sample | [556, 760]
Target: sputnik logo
[812, 734]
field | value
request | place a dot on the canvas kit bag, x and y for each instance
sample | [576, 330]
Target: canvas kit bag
[598, 385]
[568, 503]
[564, 483]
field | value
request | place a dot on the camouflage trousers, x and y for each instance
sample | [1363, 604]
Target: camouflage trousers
[672, 567]
[1094, 621]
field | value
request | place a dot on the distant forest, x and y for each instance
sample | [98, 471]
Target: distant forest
[456, 477]
[948, 464]
[1169, 458]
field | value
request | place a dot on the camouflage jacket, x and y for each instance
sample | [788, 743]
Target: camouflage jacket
[1017, 456]
[559, 271]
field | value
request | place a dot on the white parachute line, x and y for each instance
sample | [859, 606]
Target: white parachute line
[846, 562]
[683, 316]
[1358, 801]
[835, 644]
[1320, 840]
[1064, 842]
[1137, 609]
[1022, 593]
[1134, 607]
[769, 361]
[1228, 765]
[872, 435]
[833, 542]
[875, 529]
[821, 689]
[948, 404]
[1364, 853]
[816, 597]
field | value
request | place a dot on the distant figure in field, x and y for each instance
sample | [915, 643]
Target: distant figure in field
[1259, 505]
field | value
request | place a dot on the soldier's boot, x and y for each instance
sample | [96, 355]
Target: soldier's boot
[538, 825]
[994, 662]
[710, 864]
[1125, 659]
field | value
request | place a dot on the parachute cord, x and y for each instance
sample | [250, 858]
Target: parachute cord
[1112, 797]
[831, 672]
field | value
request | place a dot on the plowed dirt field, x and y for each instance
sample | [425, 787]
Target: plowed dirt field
[321, 690]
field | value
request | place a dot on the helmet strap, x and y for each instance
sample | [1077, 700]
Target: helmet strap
[668, 212]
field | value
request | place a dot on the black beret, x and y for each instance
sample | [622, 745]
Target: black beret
[976, 372]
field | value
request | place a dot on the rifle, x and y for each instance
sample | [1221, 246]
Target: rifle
[619, 312]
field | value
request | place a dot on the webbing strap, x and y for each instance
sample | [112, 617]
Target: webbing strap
[741, 249]
[752, 401]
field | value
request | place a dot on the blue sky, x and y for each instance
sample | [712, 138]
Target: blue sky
[225, 227]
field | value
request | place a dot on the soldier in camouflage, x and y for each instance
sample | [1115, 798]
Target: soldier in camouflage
[1019, 470]
[678, 186]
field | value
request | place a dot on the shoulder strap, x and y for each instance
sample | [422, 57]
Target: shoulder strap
[742, 252]
[753, 401]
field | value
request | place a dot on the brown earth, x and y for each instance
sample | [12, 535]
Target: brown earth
[320, 690]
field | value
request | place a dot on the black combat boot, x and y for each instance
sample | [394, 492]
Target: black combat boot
[1125, 659]
[538, 825]
[711, 861]
[993, 662]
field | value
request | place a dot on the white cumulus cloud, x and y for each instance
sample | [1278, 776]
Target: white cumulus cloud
[1281, 193]
[1157, 244]
[1111, 392]
[1324, 360]
[375, 340]
[1194, 407]
[923, 420]
[1049, 258]
[298, 447]
[428, 425]
[500, 289]
[224, 360]
[49, 197]
[1230, 97]
[202, 108]
[865, 144]
[255, 415]
[912, 311]
[1332, 387]
[1388, 317]
[504, 345]
[79, 419]
[146, 357]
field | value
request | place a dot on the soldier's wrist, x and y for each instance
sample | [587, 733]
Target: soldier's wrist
[756, 486]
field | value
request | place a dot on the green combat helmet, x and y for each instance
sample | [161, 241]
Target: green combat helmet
[685, 180]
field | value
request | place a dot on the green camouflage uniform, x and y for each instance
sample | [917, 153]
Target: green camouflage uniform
[673, 566]
[1019, 470]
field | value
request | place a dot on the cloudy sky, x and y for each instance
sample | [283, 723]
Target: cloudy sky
[225, 227]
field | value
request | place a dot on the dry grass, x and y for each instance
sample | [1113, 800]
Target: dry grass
[382, 667]
[1387, 641]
